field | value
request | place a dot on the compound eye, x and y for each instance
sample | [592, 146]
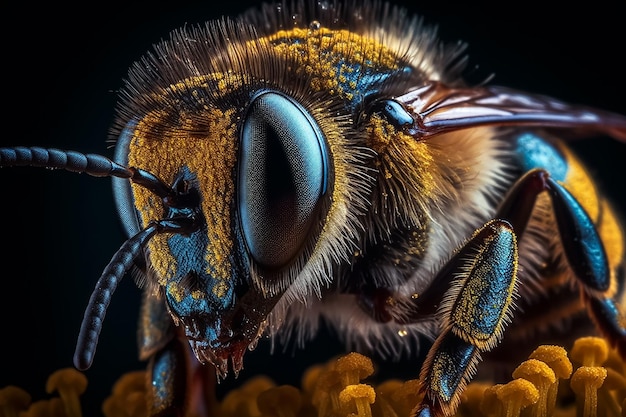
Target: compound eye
[283, 174]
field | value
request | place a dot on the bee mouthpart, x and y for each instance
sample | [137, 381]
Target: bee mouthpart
[222, 343]
[232, 350]
[221, 334]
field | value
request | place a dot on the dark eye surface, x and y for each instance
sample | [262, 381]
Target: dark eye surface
[283, 174]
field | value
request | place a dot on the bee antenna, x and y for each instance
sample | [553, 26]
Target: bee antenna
[92, 164]
[101, 166]
[107, 283]
[151, 182]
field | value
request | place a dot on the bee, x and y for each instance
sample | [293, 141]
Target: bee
[326, 161]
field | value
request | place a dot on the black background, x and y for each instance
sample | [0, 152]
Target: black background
[61, 67]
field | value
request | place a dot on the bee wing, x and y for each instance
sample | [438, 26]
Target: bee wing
[438, 109]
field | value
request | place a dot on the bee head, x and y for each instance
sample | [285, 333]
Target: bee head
[254, 184]
[253, 137]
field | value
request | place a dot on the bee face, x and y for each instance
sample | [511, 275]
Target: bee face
[279, 200]
[261, 264]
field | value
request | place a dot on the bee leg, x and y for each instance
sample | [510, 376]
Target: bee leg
[378, 303]
[474, 310]
[582, 246]
[177, 385]
[167, 371]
